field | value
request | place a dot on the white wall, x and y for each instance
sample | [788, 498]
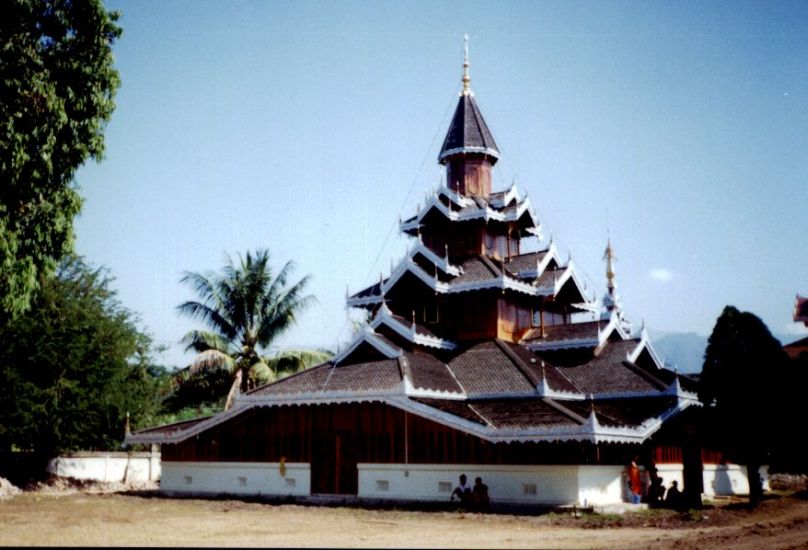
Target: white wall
[545, 484]
[719, 479]
[246, 478]
[108, 466]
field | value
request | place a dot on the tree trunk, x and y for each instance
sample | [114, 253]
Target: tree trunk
[755, 483]
[238, 382]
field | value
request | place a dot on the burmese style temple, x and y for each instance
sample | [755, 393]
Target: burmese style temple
[482, 353]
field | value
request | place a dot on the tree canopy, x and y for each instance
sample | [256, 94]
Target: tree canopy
[57, 82]
[247, 307]
[73, 366]
[745, 375]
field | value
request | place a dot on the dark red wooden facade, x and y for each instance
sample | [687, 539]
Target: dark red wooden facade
[335, 438]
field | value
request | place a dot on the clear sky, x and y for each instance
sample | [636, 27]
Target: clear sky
[308, 128]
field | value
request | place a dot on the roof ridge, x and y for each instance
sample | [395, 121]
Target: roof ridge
[492, 267]
[647, 375]
[517, 361]
[288, 376]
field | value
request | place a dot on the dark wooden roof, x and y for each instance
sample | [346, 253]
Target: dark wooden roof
[358, 377]
[611, 372]
[429, 373]
[559, 333]
[468, 132]
[487, 368]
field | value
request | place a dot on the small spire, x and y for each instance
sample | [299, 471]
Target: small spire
[466, 77]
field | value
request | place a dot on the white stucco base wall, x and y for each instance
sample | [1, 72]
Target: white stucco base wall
[546, 484]
[108, 466]
[245, 478]
[719, 479]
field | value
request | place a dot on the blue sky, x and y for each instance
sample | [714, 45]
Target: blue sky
[308, 128]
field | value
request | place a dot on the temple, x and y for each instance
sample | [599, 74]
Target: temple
[482, 352]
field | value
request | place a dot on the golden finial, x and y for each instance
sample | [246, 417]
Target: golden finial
[466, 77]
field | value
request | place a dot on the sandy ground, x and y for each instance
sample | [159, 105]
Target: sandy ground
[69, 518]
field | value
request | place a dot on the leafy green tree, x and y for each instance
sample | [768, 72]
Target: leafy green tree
[57, 84]
[744, 373]
[247, 307]
[73, 366]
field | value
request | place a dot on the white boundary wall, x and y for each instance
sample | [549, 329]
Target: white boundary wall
[718, 479]
[108, 466]
[558, 485]
[544, 484]
[244, 478]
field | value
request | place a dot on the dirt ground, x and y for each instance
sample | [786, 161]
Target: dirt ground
[49, 517]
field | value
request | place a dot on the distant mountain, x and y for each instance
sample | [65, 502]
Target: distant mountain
[683, 351]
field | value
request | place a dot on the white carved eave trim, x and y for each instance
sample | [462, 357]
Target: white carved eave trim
[612, 326]
[510, 195]
[551, 253]
[544, 390]
[564, 344]
[592, 430]
[410, 333]
[442, 263]
[645, 344]
[366, 335]
[487, 213]
[469, 149]
[411, 391]
[500, 283]
[361, 302]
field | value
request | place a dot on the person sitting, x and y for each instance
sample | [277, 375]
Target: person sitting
[479, 495]
[463, 491]
[674, 497]
[656, 492]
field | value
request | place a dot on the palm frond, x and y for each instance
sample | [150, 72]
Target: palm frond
[212, 359]
[262, 373]
[295, 360]
[201, 340]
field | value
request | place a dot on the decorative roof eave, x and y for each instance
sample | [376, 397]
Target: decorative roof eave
[563, 344]
[366, 335]
[365, 301]
[676, 390]
[544, 390]
[499, 283]
[510, 195]
[591, 430]
[571, 273]
[178, 436]
[469, 213]
[442, 263]
[550, 254]
[612, 326]
[645, 344]
[411, 391]
[468, 149]
[410, 333]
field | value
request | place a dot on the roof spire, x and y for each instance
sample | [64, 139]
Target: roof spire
[466, 77]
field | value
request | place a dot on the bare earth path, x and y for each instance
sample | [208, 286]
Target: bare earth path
[81, 519]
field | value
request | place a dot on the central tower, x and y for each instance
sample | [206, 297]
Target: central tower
[469, 151]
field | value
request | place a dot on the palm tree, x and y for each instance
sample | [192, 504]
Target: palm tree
[246, 309]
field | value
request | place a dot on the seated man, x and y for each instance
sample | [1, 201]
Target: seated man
[674, 497]
[463, 491]
[479, 495]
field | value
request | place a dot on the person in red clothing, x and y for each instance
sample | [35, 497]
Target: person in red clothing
[634, 482]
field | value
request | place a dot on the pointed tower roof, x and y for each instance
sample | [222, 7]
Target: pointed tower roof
[468, 132]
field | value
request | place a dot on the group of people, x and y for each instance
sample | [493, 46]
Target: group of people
[657, 495]
[475, 498]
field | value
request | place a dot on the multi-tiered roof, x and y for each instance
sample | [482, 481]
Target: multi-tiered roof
[483, 327]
